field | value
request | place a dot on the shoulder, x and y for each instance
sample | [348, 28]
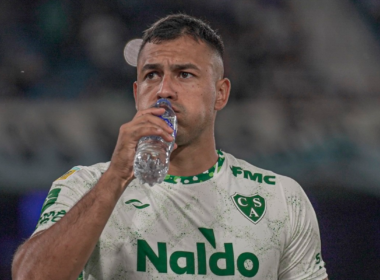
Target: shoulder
[243, 169]
[83, 175]
[280, 189]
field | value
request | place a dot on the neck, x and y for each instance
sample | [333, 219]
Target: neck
[193, 159]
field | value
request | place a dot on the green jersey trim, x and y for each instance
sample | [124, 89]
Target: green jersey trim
[207, 175]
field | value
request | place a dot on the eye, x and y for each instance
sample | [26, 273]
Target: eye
[151, 75]
[185, 75]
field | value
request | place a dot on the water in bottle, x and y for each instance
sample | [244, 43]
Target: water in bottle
[151, 162]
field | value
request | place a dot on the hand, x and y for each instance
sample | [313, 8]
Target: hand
[144, 123]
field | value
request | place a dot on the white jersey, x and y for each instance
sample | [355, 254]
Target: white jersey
[233, 221]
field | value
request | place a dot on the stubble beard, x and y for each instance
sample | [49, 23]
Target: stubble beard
[194, 135]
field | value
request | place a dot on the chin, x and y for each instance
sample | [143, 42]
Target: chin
[181, 140]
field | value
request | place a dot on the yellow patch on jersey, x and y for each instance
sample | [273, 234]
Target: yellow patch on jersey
[68, 173]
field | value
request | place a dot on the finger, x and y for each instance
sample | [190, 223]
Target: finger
[149, 119]
[152, 130]
[151, 111]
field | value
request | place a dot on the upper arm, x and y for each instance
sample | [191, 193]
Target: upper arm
[64, 193]
[301, 257]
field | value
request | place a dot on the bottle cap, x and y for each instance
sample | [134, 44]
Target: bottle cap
[163, 101]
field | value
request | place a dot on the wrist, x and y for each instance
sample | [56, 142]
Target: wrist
[117, 180]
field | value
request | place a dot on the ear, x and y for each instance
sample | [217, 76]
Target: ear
[223, 88]
[135, 85]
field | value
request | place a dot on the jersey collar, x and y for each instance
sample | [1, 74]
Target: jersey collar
[207, 175]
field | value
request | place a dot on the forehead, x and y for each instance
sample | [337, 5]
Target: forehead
[184, 49]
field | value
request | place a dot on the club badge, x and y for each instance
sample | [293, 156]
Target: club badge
[252, 207]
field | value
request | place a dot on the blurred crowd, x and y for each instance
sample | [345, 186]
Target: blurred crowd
[372, 9]
[73, 49]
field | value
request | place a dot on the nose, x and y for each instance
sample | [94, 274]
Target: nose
[166, 89]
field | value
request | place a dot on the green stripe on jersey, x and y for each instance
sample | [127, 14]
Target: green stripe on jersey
[50, 199]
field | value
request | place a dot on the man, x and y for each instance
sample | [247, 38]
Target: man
[214, 216]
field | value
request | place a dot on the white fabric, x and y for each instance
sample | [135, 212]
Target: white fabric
[285, 240]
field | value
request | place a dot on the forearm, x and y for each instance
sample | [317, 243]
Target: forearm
[61, 251]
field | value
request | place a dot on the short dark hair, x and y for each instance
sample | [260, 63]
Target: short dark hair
[177, 25]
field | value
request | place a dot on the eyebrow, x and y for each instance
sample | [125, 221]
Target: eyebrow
[178, 67]
[175, 67]
[151, 67]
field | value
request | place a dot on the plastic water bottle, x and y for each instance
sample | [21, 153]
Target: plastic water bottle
[151, 162]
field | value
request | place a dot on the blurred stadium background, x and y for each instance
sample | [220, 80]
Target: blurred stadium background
[305, 103]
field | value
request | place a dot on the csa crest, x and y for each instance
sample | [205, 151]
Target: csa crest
[252, 207]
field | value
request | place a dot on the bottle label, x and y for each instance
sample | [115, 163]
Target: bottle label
[168, 122]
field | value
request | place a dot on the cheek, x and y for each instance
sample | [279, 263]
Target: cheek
[144, 97]
[208, 97]
[144, 89]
